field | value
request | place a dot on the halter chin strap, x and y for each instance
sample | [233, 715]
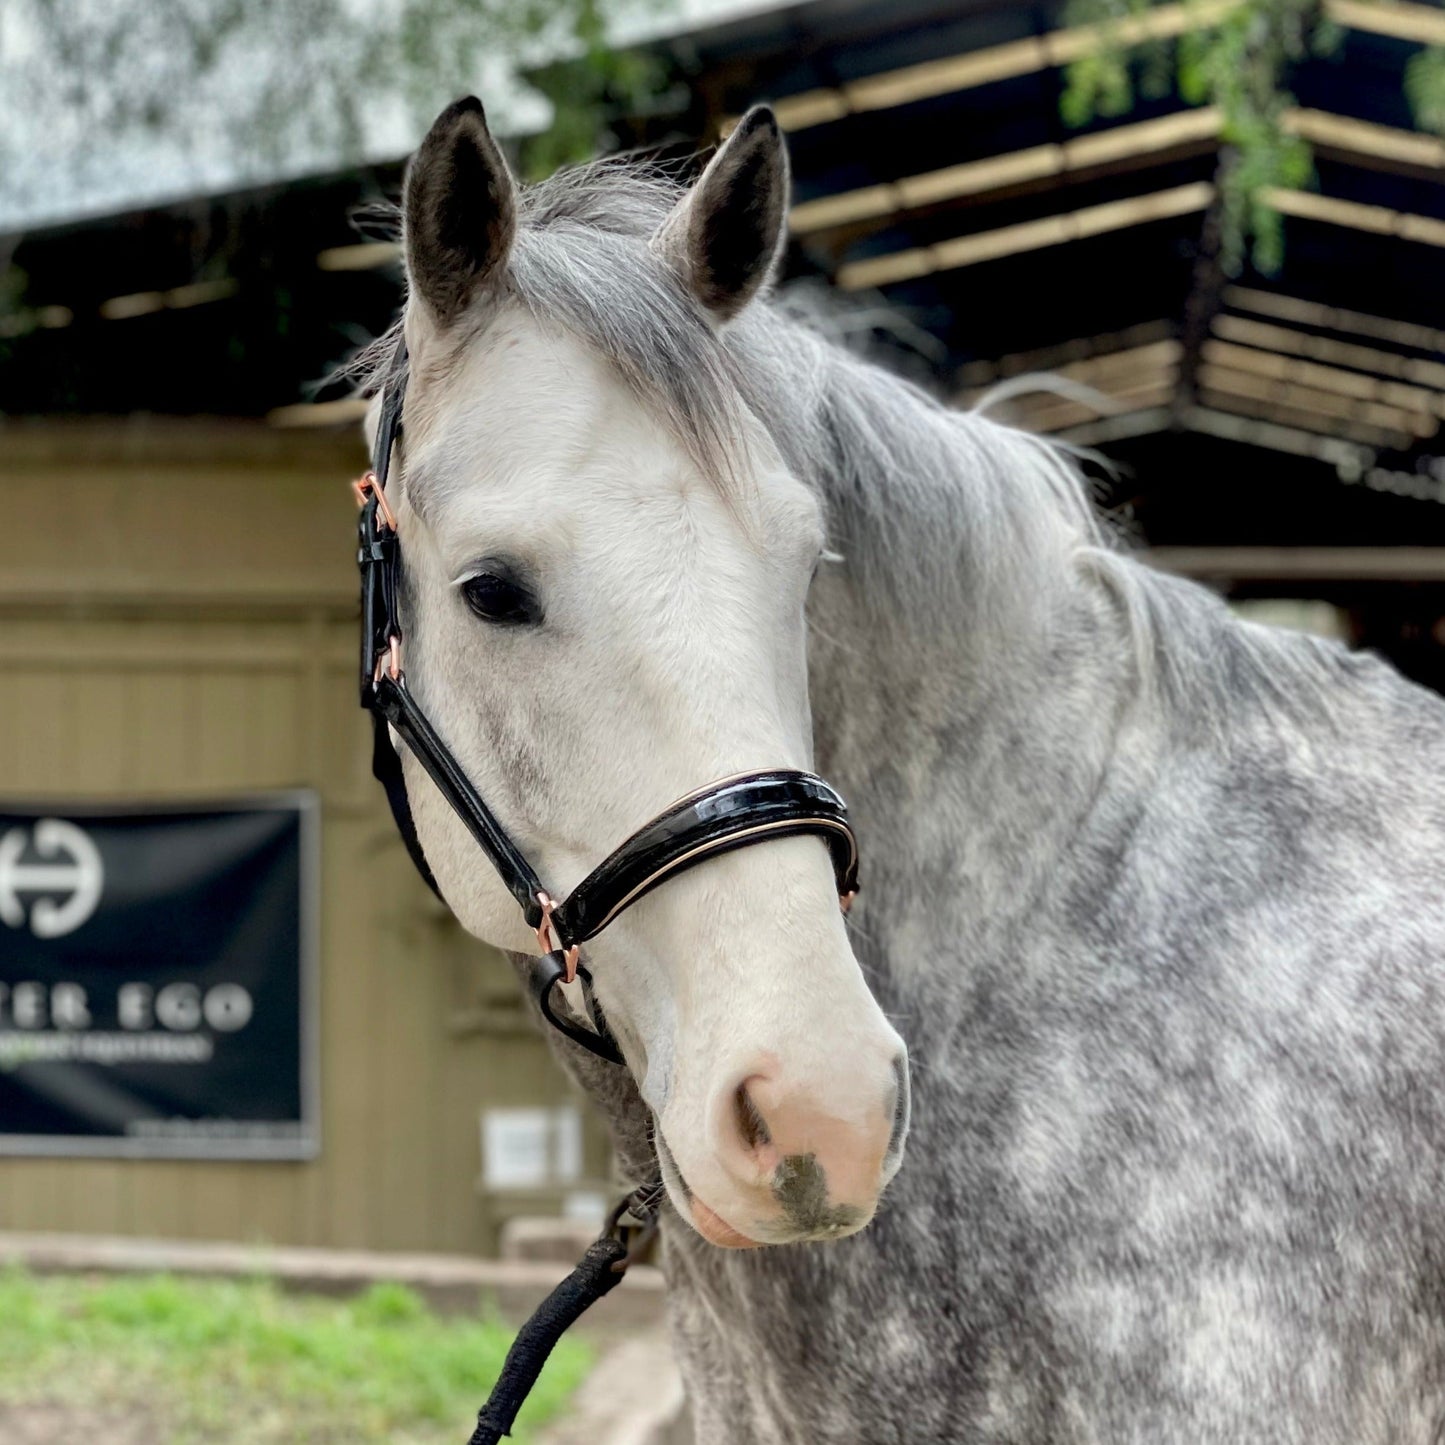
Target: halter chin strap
[732, 813]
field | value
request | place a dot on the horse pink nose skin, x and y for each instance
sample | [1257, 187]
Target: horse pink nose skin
[815, 1171]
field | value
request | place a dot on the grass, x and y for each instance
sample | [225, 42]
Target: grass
[244, 1362]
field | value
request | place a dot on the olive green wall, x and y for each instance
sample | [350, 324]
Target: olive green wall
[177, 608]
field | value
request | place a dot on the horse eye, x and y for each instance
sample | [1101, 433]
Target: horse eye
[499, 599]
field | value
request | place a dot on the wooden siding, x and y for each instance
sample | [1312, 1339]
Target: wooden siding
[177, 605]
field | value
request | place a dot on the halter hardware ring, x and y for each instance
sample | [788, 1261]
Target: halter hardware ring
[637, 1236]
[846, 900]
[367, 483]
[391, 659]
[546, 939]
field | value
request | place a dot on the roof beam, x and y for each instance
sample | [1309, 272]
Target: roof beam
[980, 373]
[319, 413]
[1050, 412]
[1325, 129]
[1106, 356]
[359, 256]
[1108, 429]
[993, 63]
[1300, 396]
[1334, 318]
[1349, 458]
[178, 298]
[1152, 357]
[1296, 407]
[1013, 168]
[1361, 140]
[1379, 220]
[1229, 425]
[1343, 382]
[983, 246]
[1423, 24]
[1268, 337]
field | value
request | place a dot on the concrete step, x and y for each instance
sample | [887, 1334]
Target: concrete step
[450, 1283]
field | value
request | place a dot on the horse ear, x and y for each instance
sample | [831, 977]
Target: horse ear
[725, 235]
[460, 211]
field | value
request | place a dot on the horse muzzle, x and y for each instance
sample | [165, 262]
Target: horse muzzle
[789, 1163]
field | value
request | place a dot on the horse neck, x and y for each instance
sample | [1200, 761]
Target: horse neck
[971, 666]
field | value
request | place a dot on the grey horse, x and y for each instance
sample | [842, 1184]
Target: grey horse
[1152, 895]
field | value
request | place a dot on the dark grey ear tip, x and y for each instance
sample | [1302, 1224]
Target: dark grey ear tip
[467, 106]
[759, 123]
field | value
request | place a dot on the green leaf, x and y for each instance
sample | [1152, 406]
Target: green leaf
[1425, 89]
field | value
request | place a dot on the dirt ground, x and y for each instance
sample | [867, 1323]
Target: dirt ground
[73, 1425]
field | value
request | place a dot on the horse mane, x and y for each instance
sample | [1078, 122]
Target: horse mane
[924, 500]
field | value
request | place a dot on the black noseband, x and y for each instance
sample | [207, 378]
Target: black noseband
[733, 813]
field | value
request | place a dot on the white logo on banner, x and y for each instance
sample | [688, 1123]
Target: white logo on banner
[75, 872]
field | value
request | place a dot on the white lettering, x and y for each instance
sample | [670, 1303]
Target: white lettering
[68, 1009]
[228, 1007]
[133, 1005]
[178, 1006]
[27, 1005]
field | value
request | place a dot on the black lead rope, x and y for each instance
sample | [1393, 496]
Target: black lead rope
[733, 813]
[596, 1274]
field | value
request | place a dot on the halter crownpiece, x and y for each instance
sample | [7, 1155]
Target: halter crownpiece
[732, 813]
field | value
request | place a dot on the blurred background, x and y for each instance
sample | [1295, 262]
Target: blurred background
[1217, 223]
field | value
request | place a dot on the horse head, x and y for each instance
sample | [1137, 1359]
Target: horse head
[606, 564]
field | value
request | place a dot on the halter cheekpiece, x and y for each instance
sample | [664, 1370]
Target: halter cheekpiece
[731, 813]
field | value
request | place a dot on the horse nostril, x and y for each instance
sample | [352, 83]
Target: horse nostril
[752, 1127]
[816, 1143]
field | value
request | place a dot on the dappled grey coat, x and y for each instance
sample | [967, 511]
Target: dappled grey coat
[1152, 894]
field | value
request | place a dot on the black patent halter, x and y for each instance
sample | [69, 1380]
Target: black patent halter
[731, 813]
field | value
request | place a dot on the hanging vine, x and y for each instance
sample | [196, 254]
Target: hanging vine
[1239, 62]
[1425, 88]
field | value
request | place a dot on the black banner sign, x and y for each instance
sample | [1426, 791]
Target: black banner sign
[158, 980]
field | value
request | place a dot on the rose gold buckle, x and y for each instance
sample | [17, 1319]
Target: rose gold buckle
[546, 940]
[367, 482]
[393, 667]
[845, 900]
